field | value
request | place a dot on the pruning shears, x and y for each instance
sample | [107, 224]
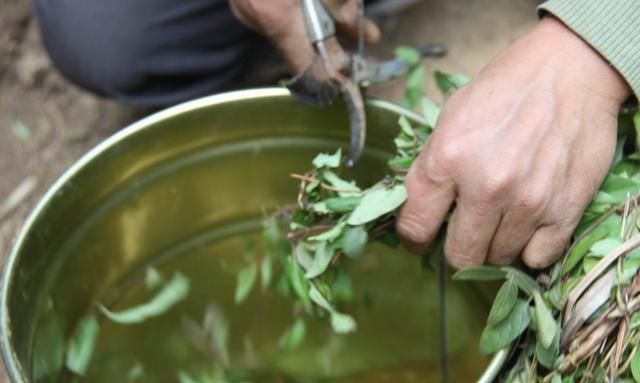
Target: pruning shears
[336, 72]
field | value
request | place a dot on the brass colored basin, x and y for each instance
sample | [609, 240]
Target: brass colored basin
[130, 199]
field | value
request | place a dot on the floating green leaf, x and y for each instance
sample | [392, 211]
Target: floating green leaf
[153, 278]
[354, 241]
[325, 160]
[544, 319]
[81, 345]
[293, 336]
[495, 338]
[378, 201]
[245, 281]
[172, 293]
[481, 273]
[505, 299]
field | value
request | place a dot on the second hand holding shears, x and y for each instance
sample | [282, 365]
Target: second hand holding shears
[335, 72]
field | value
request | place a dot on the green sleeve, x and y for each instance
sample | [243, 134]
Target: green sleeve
[612, 27]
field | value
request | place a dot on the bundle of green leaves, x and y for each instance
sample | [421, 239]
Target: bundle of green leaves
[577, 321]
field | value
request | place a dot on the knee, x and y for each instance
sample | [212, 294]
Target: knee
[90, 50]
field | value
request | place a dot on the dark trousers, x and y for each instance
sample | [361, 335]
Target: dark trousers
[148, 52]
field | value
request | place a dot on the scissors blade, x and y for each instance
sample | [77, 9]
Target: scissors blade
[357, 120]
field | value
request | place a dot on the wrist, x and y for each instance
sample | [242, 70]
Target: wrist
[578, 62]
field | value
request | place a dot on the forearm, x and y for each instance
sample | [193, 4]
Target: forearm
[611, 27]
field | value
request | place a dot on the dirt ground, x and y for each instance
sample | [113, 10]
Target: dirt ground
[47, 123]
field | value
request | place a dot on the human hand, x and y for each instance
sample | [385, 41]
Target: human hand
[282, 22]
[521, 151]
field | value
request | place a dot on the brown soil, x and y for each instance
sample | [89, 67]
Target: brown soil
[63, 122]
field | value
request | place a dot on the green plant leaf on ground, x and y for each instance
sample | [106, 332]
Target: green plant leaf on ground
[174, 291]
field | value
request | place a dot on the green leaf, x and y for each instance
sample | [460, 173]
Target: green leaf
[400, 162]
[630, 267]
[449, 82]
[636, 124]
[605, 246]
[431, 111]
[341, 289]
[354, 241]
[409, 55]
[547, 325]
[341, 323]
[495, 338]
[548, 355]
[414, 86]
[378, 201]
[330, 234]
[81, 345]
[505, 299]
[135, 373]
[326, 160]
[321, 261]
[153, 278]
[527, 284]
[342, 204]
[266, 272]
[297, 281]
[582, 248]
[619, 187]
[347, 189]
[480, 273]
[635, 366]
[634, 322]
[405, 126]
[293, 336]
[174, 291]
[245, 281]
[21, 131]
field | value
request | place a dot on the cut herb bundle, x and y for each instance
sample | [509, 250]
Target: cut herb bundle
[577, 321]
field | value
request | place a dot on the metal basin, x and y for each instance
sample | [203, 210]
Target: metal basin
[141, 195]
